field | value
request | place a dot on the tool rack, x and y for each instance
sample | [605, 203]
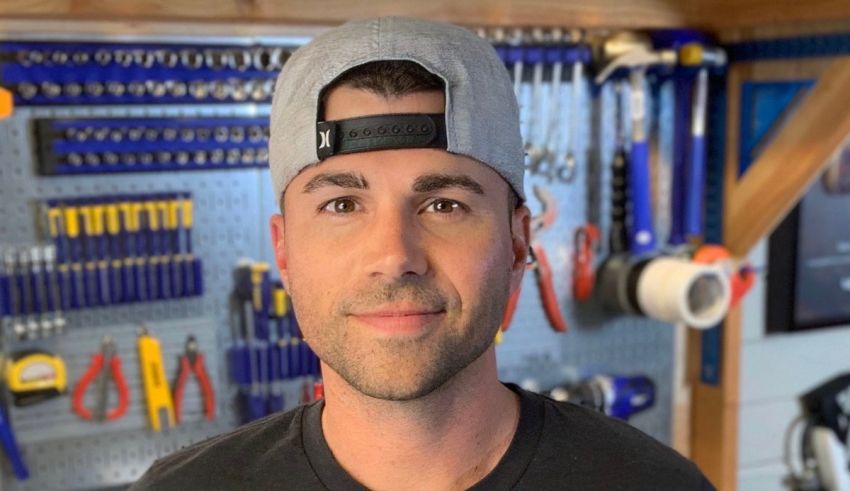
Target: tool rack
[232, 205]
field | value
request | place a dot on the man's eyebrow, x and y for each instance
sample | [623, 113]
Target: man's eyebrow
[436, 182]
[340, 179]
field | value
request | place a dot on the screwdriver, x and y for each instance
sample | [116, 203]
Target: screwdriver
[72, 231]
[90, 272]
[129, 248]
[166, 284]
[276, 358]
[157, 392]
[154, 266]
[56, 228]
[258, 340]
[104, 288]
[54, 293]
[191, 272]
[28, 300]
[174, 263]
[15, 309]
[112, 236]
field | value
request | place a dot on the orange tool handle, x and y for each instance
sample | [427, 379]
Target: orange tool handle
[207, 394]
[510, 309]
[584, 276]
[80, 389]
[123, 392]
[91, 373]
[543, 272]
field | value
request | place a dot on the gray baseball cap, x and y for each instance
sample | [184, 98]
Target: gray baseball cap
[481, 114]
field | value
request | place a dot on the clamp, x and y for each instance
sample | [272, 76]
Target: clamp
[98, 371]
[192, 361]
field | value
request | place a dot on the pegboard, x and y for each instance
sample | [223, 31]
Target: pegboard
[232, 208]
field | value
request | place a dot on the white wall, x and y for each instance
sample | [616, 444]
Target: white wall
[775, 370]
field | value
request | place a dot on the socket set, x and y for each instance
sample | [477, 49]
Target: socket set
[112, 145]
[30, 302]
[54, 73]
[114, 250]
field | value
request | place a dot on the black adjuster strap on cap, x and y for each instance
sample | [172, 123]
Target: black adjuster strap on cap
[382, 132]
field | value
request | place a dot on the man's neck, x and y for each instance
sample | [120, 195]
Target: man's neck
[449, 439]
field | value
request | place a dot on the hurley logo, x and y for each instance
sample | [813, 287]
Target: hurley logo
[325, 137]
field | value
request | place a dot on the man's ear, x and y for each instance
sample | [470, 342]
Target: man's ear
[279, 246]
[520, 242]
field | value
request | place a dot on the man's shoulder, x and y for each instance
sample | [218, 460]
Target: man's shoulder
[228, 461]
[590, 443]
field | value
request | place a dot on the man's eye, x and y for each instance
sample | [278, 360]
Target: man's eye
[340, 205]
[445, 206]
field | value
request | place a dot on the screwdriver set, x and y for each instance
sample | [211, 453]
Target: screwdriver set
[30, 298]
[110, 145]
[268, 348]
[49, 73]
[123, 249]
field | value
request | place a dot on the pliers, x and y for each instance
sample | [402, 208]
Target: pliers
[192, 361]
[540, 264]
[97, 370]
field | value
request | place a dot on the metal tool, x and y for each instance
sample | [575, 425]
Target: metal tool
[192, 362]
[157, 395]
[104, 365]
[28, 300]
[19, 329]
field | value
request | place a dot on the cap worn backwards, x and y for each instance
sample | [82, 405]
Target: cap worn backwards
[481, 114]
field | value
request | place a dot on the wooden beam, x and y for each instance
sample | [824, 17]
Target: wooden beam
[788, 165]
[569, 13]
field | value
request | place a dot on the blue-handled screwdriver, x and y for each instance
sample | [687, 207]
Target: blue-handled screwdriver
[10, 445]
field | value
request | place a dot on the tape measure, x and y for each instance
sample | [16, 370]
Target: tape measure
[35, 376]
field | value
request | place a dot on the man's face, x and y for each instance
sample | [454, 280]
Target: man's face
[398, 262]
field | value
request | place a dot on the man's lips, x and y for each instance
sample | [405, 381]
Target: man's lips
[400, 321]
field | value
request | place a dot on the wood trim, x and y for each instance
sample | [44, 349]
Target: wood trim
[572, 13]
[788, 165]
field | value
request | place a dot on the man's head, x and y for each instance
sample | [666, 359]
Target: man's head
[398, 253]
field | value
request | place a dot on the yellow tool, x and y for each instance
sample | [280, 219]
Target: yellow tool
[157, 392]
[280, 303]
[35, 376]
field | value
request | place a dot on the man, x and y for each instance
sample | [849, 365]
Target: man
[396, 152]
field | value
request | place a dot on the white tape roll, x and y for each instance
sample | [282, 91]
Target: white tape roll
[676, 290]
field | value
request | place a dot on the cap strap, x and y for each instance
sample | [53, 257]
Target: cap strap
[381, 132]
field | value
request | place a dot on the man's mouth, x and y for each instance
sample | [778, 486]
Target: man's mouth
[399, 319]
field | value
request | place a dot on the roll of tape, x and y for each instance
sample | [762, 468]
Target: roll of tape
[676, 290]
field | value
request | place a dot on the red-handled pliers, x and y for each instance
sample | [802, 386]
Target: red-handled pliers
[96, 370]
[193, 362]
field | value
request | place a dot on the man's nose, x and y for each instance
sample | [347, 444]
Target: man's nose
[395, 246]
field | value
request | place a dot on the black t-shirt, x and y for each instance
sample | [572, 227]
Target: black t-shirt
[557, 445]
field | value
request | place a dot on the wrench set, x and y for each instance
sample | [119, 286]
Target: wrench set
[111, 145]
[49, 73]
[104, 251]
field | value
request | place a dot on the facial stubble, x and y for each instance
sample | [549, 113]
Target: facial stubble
[403, 369]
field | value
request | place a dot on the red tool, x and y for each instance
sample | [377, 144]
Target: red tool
[97, 370]
[192, 361]
[540, 265]
[741, 277]
[586, 240]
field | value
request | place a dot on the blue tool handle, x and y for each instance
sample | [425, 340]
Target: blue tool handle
[696, 183]
[641, 235]
[306, 359]
[7, 438]
[276, 401]
[282, 348]
[128, 282]
[174, 272]
[295, 358]
[261, 355]
[253, 406]
[261, 326]
[240, 363]
[5, 297]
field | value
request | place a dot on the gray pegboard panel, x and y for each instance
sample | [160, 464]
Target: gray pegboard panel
[596, 341]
